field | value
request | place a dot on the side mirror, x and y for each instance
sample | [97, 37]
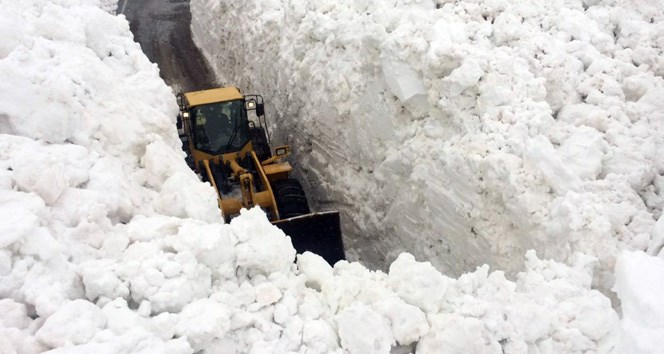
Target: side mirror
[180, 100]
[260, 109]
[182, 116]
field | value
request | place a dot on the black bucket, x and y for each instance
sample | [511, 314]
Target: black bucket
[318, 233]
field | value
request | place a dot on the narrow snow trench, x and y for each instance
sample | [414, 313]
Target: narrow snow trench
[432, 130]
[462, 133]
[163, 31]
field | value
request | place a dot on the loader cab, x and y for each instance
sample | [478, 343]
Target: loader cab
[221, 121]
[220, 127]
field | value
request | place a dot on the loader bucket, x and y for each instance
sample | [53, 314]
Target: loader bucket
[319, 233]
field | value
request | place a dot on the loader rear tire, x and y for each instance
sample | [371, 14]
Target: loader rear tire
[290, 198]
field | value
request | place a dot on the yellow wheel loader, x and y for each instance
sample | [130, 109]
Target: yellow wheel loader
[226, 139]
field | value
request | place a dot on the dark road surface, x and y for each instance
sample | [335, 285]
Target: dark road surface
[162, 29]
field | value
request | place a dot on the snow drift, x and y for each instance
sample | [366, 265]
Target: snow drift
[109, 243]
[463, 132]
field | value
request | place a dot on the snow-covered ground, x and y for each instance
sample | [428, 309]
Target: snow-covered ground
[109, 243]
[463, 132]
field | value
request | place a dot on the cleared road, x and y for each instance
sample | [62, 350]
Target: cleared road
[162, 29]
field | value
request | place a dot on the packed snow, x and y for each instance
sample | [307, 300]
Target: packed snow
[109, 243]
[463, 132]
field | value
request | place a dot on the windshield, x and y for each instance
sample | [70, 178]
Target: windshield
[220, 127]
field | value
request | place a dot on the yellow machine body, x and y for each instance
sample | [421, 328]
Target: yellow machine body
[231, 151]
[269, 170]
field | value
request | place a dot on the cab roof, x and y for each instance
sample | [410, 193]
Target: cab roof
[223, 94]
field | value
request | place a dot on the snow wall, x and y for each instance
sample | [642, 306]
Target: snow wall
[463, 132]
[110, 244]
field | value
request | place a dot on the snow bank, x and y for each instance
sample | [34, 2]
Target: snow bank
[88, 157]
[639, 284]
[109, 243]
[463, 132]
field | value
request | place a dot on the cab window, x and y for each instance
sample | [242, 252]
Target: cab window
[220, 127]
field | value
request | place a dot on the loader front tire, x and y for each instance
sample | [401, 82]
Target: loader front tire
[290, 198]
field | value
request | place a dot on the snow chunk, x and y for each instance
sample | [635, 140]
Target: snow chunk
[317, 271]
[639, 285]
[267, 294]
[402, 80]
[419, 284]
[12, 34]
[466, 75]
[99, 279]
[19, 216]
[363, 331]
[319, 336]
[212, 244]
[202, 321]
[143, 268]
[76, 322]
[584, 151]
[408, 322]
[43, 175]
[656, 245]
[541, 154]
[457, 334]
[14, 314]
[263, 249]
